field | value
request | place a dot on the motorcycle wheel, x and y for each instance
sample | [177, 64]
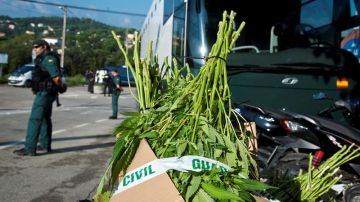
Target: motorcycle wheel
[290, 165]
[352, 194]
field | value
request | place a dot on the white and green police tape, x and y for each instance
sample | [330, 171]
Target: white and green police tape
[160, 166]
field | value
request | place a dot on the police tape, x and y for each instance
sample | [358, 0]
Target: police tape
[160, 166]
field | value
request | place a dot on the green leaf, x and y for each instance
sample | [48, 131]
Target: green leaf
[231, 159]
[151, 134]
[181, 148]
[131, 122]
[193, 187]
[118, 148]
[220, 147]
[209, 131]
[200, 148]
[193, 145]
[177, 104]
[229, 144]
[103, 197]
[100, 187]
[217, 153]
[219, 137]
[163, 108]
[219, 193]
[250, 185]
[130, 113]
[246, 196]
[244, 155]
[202, 196]
[183, 131]
[125, 160]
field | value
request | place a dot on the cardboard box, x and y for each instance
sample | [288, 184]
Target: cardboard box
[253, 146]
[158, 189]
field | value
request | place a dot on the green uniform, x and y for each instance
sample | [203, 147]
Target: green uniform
[40, 125]
[115, 96]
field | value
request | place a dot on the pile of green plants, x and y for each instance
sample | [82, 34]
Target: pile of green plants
[193, 115]
[315, 184]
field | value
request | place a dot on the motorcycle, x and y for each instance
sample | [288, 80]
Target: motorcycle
[285, 139]
[348, 111]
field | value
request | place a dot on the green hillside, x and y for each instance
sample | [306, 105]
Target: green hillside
[54, 25]
[89, 44]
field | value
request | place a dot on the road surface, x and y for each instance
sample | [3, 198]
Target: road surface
[82, 145]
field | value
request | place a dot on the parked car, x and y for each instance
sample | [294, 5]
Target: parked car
[22, 76]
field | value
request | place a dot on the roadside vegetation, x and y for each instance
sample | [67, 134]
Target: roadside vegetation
[88, 45]
[75, 80]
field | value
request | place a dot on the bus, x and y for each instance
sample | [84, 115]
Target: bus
[288, 50]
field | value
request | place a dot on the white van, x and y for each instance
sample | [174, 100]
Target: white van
[22, 76]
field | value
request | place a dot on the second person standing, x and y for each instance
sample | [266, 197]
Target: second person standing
[116, 93]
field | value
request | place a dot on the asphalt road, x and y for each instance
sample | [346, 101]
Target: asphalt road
[82, 146]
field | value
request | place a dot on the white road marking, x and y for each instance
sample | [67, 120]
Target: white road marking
[23, 140]
[101, 120]
[12, 144]
[11, 112]
[81, 125]
[58, 131]
[87, 112]
[69, 95]
[54, 132]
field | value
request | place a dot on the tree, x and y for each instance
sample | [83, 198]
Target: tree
[19, 51]
[89, 44]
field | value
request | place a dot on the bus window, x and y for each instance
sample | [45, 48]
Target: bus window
[317, 13]
[354, 7]
[188, 29]
[168, 10]
[179, 34]
[170, 6]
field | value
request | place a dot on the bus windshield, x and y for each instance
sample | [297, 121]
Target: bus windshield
[272, 25]
[186, 30]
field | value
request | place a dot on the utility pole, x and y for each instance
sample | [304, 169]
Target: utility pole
[64, 8]
[126, 40]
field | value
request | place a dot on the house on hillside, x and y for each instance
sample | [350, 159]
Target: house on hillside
[11, 25]
[29, 32]
[52, 41]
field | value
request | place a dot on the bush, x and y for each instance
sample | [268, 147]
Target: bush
[75, 80]
[4, 79]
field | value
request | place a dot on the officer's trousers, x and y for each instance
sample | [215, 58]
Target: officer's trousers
[39, 125]
[114, 102]
[91, 86]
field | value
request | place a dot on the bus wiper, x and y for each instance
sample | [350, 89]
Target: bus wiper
[305, 65]
[283, 67]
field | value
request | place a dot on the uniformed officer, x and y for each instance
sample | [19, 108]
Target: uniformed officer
[116, 93]
[91, 81]
[46, 85]
[107, 84]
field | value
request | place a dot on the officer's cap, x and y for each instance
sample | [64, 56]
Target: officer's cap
[41, 42]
